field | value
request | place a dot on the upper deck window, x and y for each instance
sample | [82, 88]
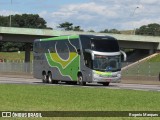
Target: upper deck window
[100, 44]
[104, 45]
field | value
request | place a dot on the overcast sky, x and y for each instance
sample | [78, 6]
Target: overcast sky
[89, 14]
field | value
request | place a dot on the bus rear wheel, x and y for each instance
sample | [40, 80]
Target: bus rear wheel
[80, 80]
[44, 78]
[50, 78]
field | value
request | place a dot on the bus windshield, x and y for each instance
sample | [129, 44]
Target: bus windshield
[107, 63]
[104, 45]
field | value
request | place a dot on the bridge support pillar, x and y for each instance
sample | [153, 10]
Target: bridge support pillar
[27, 57]
[27, 52]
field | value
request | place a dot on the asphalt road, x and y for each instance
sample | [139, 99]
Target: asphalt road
[17, 80]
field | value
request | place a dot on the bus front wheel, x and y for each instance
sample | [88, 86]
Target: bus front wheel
[105, 84]
[80, 80]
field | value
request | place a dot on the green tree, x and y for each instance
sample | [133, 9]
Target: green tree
[23, 21]
[69, 26]
[150, 29]
[115, 31]
[66, 26]
[104, 31]
[77, 28]
[4, 21]
[1, 45]
[91, 31]
[28, 21]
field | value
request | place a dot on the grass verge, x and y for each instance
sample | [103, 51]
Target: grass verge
[54, 98]
[155, 59]
[64, 98]
[14, 56]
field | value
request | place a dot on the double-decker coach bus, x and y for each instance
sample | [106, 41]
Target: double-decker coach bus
[77, 58]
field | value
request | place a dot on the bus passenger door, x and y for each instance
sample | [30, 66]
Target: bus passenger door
[88, 63]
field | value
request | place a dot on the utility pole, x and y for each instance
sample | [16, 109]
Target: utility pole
[132, 15]
[10, 19]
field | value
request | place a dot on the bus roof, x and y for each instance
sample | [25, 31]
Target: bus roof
[74, 37]
[60, 38]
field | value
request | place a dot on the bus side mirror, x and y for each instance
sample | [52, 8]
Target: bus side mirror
[124, 54]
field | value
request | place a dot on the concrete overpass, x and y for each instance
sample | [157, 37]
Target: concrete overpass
[28, 35]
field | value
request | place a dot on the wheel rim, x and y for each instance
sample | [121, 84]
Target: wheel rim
[44, 78]
[50, 78]
[80, 80]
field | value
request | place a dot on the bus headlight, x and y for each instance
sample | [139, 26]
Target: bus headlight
[95, 75]
[118, 75]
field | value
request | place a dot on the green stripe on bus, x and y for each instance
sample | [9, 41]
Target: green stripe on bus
[61, 38]
[70, 70]
[104, 73]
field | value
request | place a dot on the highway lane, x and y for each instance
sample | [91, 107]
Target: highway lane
[17, 80]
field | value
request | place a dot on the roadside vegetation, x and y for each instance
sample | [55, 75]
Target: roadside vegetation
[64, 98]
[155, 59]
[145, 69]
[14, 56]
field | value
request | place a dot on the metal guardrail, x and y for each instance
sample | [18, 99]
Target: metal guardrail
[16, 67]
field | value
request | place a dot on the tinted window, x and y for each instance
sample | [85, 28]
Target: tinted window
[105, 45]
[101, 44]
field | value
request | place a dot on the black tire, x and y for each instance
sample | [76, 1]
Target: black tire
[55, 81]
[44, 78]
[80, 80]
[50, 78]
[105, 84]
[73, 83]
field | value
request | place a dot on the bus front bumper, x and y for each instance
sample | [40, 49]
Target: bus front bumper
[114, 77]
